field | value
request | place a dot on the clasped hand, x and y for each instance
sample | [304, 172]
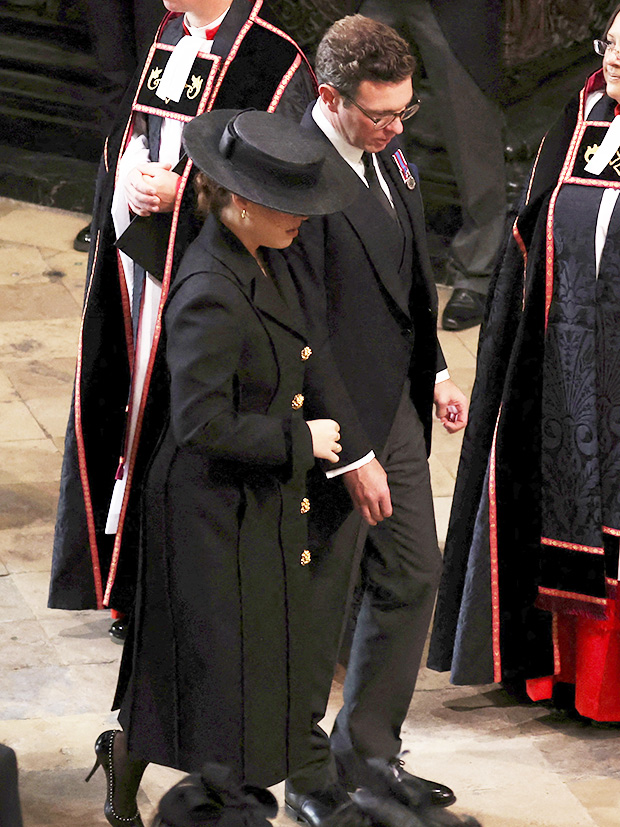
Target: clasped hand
[151, 187]
[325, 438]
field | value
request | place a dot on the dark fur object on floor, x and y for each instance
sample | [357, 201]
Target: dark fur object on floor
[213, 798]
[370, 810]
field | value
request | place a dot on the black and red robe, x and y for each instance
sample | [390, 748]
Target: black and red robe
[254, 64]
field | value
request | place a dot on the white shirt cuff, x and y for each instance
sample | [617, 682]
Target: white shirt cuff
[335, 472]
[442, 376]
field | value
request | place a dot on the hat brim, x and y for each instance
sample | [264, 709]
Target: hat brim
[333, 190]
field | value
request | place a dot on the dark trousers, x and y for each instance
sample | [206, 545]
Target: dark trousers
[121, 31]
[399, 563]
[10, 812]
[473, 127]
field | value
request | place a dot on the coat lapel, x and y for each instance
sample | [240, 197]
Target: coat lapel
[411, 209]
[232, 24]
[372, 227]
[273, 297]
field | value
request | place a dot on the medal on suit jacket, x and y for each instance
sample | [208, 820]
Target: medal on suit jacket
[403, 167]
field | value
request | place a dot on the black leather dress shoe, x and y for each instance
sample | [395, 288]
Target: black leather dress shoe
[118, 629]
[464, 309]
[407, 788]
[317, 807]
[81, 242]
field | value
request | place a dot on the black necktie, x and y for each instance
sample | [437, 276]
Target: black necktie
[374, 185]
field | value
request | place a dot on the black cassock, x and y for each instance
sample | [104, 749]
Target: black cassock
[530, 531]
[252, 64]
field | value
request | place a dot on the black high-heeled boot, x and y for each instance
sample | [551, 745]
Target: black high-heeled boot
[104, 746]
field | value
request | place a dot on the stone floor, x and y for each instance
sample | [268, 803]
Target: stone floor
[510, 765]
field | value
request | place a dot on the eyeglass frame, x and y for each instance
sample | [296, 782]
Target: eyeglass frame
[404, 115]
[606, 46]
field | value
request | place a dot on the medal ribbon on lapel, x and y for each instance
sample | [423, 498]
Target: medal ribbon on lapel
[403, 167]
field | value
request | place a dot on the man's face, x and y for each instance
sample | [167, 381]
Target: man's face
[376, 99]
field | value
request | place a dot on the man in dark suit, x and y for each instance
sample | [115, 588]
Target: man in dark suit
[366, 285]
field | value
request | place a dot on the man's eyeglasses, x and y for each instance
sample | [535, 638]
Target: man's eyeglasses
[603, 46]
[381, 121]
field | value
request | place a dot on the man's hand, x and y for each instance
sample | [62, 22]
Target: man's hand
[151, 188]
[451, 406]
[369, 490]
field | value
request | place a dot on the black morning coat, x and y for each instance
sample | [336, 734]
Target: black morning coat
[216, 656]
[346, 267]
[268, 72]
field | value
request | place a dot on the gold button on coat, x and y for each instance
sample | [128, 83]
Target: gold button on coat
[305, 505]
[297, 401]
[305, 557]
[306, 353]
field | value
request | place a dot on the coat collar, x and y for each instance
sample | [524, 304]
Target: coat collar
[237, 15]
[273, 296]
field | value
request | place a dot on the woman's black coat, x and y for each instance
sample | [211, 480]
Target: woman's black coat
[216, 657]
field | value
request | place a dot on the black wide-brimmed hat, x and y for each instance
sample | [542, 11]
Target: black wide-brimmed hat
[271, 160]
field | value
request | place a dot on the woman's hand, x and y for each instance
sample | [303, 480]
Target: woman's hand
[325, 438]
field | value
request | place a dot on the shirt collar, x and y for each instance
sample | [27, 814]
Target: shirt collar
[207, 32]
[595, 82]
[351, 154]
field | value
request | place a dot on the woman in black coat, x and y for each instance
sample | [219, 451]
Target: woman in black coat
[214, 668]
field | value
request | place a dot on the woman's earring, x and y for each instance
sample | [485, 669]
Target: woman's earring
[243, 214]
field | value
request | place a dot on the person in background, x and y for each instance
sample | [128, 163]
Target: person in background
[209, 54]
[529, 595]
[215, 666]
[460, 44]
[367, 289]
[119, 31]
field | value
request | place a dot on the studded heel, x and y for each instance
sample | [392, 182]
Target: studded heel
[104, 746]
